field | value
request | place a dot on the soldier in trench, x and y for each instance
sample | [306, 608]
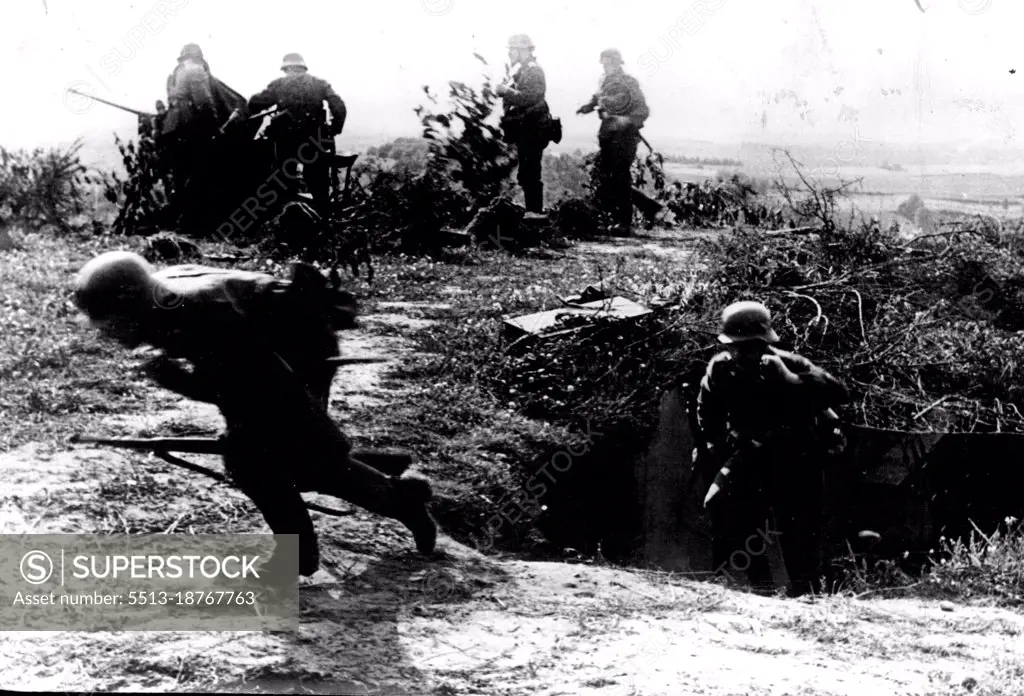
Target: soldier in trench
[767, 419]
[266, 377]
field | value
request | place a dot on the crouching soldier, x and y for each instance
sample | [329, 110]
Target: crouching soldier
[767, 420]
[280, 440]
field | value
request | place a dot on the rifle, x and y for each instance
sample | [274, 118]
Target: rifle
[387, 462]
[237, 114]
[341, 362]
[110, 103]
[216, 475]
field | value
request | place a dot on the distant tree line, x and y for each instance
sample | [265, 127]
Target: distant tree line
[703, 161]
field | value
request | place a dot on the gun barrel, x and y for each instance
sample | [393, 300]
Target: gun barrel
[353, 361]
[110, 103]
[387, 462]
[193, 445]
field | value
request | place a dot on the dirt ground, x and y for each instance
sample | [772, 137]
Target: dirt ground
[393, 622]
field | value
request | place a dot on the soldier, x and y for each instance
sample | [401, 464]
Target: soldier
[623, 111]
[158, 120]
[763, 414]
[302, 135]
[191, 119]
[280, 440]
[526, 117]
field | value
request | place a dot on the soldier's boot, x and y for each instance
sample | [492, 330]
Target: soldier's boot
[534, 194]
[624, 213]
[404, 498]
[414, 495]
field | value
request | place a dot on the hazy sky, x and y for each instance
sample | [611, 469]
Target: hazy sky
[711, 69]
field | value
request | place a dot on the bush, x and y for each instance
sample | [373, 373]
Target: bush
[44, 187]
[407, 192]
[909, 207]
[145, 193]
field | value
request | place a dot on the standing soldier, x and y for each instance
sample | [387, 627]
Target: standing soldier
[526, 119]
[280, 440]
[191, 119]
[623, 111]
[158, 120]
[764, 414]
[303, 135]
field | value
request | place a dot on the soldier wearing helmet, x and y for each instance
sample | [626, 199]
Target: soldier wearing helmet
[623, 111]
[303, 135]
[257, 347]
[527, 121]
[762, 413]
[191, 118]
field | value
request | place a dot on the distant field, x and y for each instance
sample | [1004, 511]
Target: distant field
[881, 191]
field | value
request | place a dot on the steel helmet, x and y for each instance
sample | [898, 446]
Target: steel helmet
[613, 53]
[747, 321]
[520, 41]
[191, 51]
[293, 60]
[116, 283]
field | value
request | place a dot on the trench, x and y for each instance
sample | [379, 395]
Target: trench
[636, 498]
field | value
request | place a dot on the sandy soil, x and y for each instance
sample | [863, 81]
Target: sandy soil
[393, 622]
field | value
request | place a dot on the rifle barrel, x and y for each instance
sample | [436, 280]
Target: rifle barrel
[354, 361]
[193, 445]
[110, 103]
[391, 463]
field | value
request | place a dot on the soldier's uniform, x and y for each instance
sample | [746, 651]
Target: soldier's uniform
[191, 118]
[623, 111]
[525, 121]
[258, 357]
[770, 439]
[302, 134]
[300, 315]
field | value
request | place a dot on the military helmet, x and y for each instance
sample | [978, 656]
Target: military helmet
[520, 41]
[613, 53]
[747, 321]
[113, 284]
[191, 51]
[293, 60]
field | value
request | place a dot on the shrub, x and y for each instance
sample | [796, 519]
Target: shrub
[44, 186]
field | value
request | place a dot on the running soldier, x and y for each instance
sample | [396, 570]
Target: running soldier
[623, 112]
[270, 387]
[765, 414]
